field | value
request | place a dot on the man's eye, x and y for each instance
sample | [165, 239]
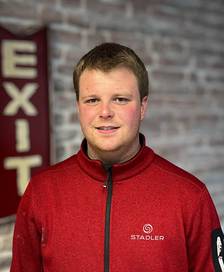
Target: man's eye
[91, 101]
[121, 100]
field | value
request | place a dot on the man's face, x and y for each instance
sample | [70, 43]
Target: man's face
[110, 112]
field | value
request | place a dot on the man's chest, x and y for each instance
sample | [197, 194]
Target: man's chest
[145, 233]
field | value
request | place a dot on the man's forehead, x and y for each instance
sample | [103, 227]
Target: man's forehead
[107, 70]
[98, 83]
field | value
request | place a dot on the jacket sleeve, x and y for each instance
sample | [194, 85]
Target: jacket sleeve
[202, 237]
[26, 254]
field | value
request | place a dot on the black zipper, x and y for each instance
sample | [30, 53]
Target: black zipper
[108, 186]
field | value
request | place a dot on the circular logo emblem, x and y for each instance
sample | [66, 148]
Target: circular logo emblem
[147, 228]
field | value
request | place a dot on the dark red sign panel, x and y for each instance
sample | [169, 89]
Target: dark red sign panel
[24, 114]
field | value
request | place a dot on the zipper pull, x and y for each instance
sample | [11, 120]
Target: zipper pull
[108, 169]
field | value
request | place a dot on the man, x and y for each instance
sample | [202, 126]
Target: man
[115, 205]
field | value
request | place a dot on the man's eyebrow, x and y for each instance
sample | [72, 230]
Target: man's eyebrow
[123, 94]
[89, 95]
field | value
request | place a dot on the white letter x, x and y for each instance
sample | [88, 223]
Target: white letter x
[20, 98]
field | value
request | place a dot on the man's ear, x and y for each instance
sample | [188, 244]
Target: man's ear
[144, 105]
[77, 106]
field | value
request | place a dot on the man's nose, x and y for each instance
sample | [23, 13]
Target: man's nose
[106, 111]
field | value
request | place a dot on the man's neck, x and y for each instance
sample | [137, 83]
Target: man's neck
[112, 157]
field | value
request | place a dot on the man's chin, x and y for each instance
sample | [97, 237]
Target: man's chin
[109, 148]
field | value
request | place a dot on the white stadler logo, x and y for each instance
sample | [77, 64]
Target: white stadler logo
[147, 228]
[147, 236]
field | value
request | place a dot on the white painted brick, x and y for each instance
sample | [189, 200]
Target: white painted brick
[181, 43]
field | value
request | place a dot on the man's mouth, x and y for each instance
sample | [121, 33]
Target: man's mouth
[106, 128]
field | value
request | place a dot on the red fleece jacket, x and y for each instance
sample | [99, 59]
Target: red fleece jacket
[161, 219]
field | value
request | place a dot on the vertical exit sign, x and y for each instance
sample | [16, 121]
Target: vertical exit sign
[24, 114]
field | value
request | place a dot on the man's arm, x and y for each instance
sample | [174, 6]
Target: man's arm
[27, 238]
[201, 238]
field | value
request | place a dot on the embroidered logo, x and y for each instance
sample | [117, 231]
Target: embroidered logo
[218, 250]
[147, 234]
[147, 228]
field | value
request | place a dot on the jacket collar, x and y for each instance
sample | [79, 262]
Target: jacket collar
[120, 171]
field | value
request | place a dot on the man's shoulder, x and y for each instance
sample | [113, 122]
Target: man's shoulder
[58, 169]
[63, 165]
[176, 174]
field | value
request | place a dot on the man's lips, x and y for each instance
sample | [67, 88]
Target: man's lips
[107, 128]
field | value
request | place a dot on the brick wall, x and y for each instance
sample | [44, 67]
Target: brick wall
[181, 43]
